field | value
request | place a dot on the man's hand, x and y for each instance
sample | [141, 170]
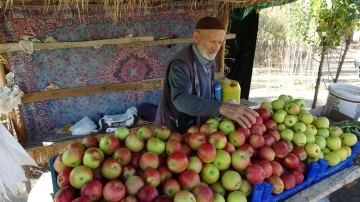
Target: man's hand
[239, 113]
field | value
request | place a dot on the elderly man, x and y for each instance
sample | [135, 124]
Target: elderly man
[188, 92]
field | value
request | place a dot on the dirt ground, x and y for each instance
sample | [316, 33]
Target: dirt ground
[266, 87]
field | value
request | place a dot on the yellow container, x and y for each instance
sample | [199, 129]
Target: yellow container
[230, 91]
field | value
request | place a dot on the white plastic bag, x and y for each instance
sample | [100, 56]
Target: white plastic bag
[12, 157]
[84, 127]
[42, 190]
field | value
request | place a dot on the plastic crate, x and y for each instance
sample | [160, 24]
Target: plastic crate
[53, 174]
[310, 175]
[326, 171]
[256, 193]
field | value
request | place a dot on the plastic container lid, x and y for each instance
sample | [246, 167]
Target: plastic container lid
[346, 92]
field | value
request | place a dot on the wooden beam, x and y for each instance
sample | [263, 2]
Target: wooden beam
[12, 47]
[327, 186]
[225, 21]
[94, 89]
[2, 75]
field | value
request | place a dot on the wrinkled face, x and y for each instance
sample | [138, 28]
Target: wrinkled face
[208, 42]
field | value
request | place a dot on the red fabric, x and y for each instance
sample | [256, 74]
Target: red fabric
[210, 23]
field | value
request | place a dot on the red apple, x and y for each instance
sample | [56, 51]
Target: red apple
[171, 187]
[76, 145]
[248, 148]
[299, 177]
[229, 148]
[186, 137]
[122, 155]
[189, 179]
[264, 113]
[109, 143]
[278, 170]
[82, 199]
[177, 162]
[266, 165]
[256, 141]
[63, 178]
[274, 133]
[126, 172]
[255, 174]
[218, 139]
[176, 136]
[207, 129]
[270, 124]
[58, 164]
[65, 194]
[207, 152]
[111, 169]
[288, 180]
[135, 157]
[259, 121]
[278, 184]
[269, 140]
[90, 141]
[97, 174]
[291, 161]
[162, 161]
[163, 198]
[266, 153]
[203, 193]
[133, 185]
[289, 144]
[148, 193]
[130, 198]
[194, 129]
[281, 149]
[165, 173]
[263, 127]
[256, 130]
[93, 190]
[301, 168]
[240, 160]
[300, 153]
[114, 190]
[151, 177]
[196, 140]
[149, 160]
[186, 150]
[245, 131]
[172, 146]
[145, 133]
[237, 138]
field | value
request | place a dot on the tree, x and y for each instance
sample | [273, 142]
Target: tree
[335, 21]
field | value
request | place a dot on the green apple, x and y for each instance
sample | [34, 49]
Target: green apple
[287, 134]
[278, 104]
[209, 173]
[278, 117]
[299, 139]
[284, 98]
[213, 121]
[342, 153]
[334, 143]
[299, 102]
[194, 164]
[348, 150]
[266, 105]
[335, 131]
[218, 198]
[155, 145]
[231, 180]
[290, 98]
[321, 141]
[222, 160]
[305, 111]
[313, 150]
[218, 188]
[226, 126]
[236, 196]
[323, 132]
[311, 129]
[322, 122]
[306, 118]
[184, 196]
[281, 126]
[308, 159]
[299, 127]
[309, 138]
[245, 187]
[348, 139]
[332, 158]
[326, 150]
[289, 121]
[321, 155]
[122, 132]
[134, 143]
[292, 109]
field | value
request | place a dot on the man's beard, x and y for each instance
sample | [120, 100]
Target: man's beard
[203, 53]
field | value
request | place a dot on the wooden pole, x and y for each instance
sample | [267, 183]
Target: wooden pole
[2, 75]
[225, 21]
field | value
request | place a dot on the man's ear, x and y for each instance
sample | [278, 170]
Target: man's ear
[196, 36]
